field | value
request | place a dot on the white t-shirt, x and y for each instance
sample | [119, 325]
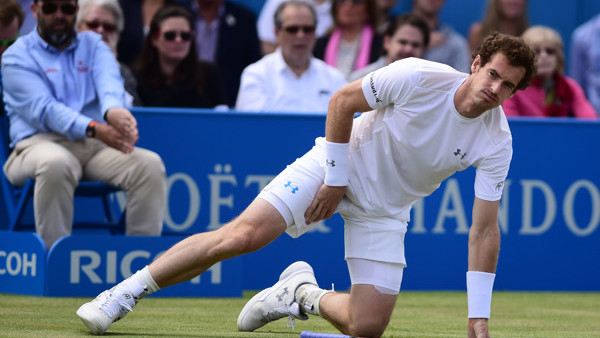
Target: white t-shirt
[269, 85]
[415, 139]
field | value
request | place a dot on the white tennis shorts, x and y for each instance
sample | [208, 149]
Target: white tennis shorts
[379, 239]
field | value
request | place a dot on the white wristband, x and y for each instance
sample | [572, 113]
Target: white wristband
[479, 293]
[336, 164]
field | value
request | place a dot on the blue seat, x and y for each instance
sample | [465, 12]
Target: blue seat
[18, 198]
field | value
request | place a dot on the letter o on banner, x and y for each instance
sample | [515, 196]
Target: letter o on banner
[568, 207]
[194, 206]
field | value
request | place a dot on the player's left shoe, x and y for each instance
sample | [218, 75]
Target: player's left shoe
[277, 301]
[105, 309]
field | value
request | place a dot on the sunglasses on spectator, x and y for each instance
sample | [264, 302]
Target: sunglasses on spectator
[51, 8]
[7, 42]
[172, 35]
[549, 51]
[107, 27]
[295, 29]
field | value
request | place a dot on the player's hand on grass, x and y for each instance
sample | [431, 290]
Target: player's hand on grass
[324, 204]
[478, 328]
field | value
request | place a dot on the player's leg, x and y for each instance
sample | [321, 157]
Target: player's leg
[257, 226]
[364, 312]
[367, 309]
[376, 276]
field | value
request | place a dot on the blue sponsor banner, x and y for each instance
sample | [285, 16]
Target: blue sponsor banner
[22, 263]
[85, 265]
[217, 162]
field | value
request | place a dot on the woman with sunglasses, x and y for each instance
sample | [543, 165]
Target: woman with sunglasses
[551, 93]
[353, 42]
[105, 17]
[168, 71]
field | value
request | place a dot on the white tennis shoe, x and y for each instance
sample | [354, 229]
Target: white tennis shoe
[104, 310]
[277, 301]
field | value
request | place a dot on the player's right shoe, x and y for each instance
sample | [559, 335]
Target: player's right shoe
[277, 301]
[105, 309]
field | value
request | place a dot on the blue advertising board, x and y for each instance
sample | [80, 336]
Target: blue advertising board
[217, 162]
[85, 265]
[22, 263]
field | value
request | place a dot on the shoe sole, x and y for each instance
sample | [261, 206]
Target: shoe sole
[286, 275]
[84, 314]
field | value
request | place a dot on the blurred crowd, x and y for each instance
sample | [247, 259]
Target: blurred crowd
[219, 54]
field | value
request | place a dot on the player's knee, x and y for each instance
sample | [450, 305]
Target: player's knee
[242, 236]
[368, 326]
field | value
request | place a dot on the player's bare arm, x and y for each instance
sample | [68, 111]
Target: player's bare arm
[342, 107]
[484, 245]
[484, 236]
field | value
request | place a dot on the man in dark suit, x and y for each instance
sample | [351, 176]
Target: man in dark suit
[226, 36]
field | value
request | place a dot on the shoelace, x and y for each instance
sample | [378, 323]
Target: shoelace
[292, 310]
[291, 322]
[111, 308]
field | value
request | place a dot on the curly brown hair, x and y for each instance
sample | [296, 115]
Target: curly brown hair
[518, 53]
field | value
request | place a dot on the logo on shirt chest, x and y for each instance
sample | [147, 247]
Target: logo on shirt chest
[81, 67]
[459, 153]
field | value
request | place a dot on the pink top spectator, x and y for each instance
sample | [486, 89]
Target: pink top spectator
[569, 101]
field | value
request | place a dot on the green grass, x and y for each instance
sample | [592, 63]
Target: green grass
[417, 314]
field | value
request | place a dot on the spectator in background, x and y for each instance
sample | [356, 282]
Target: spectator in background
[385, 16]
[266, 27]
[226, 36]
[290, 79]
[504, 16]
[137, 14]
[353, 42]
[105, 17]
[445, 44]
[551, 94]
[64, 99]
[29, 21]
[168, 71]
[406, 36]
[11, 19]
[585, 59]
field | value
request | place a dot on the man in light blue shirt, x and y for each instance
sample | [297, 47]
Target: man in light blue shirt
[64, 98]
[585, 59]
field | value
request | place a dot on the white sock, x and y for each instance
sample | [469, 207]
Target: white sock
[138, 285]
[309, 296]
[145, 278]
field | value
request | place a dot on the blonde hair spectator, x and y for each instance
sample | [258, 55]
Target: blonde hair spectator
[538, 35]
[551, 93]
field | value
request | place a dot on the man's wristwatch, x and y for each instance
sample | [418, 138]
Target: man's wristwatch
[90, 131]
